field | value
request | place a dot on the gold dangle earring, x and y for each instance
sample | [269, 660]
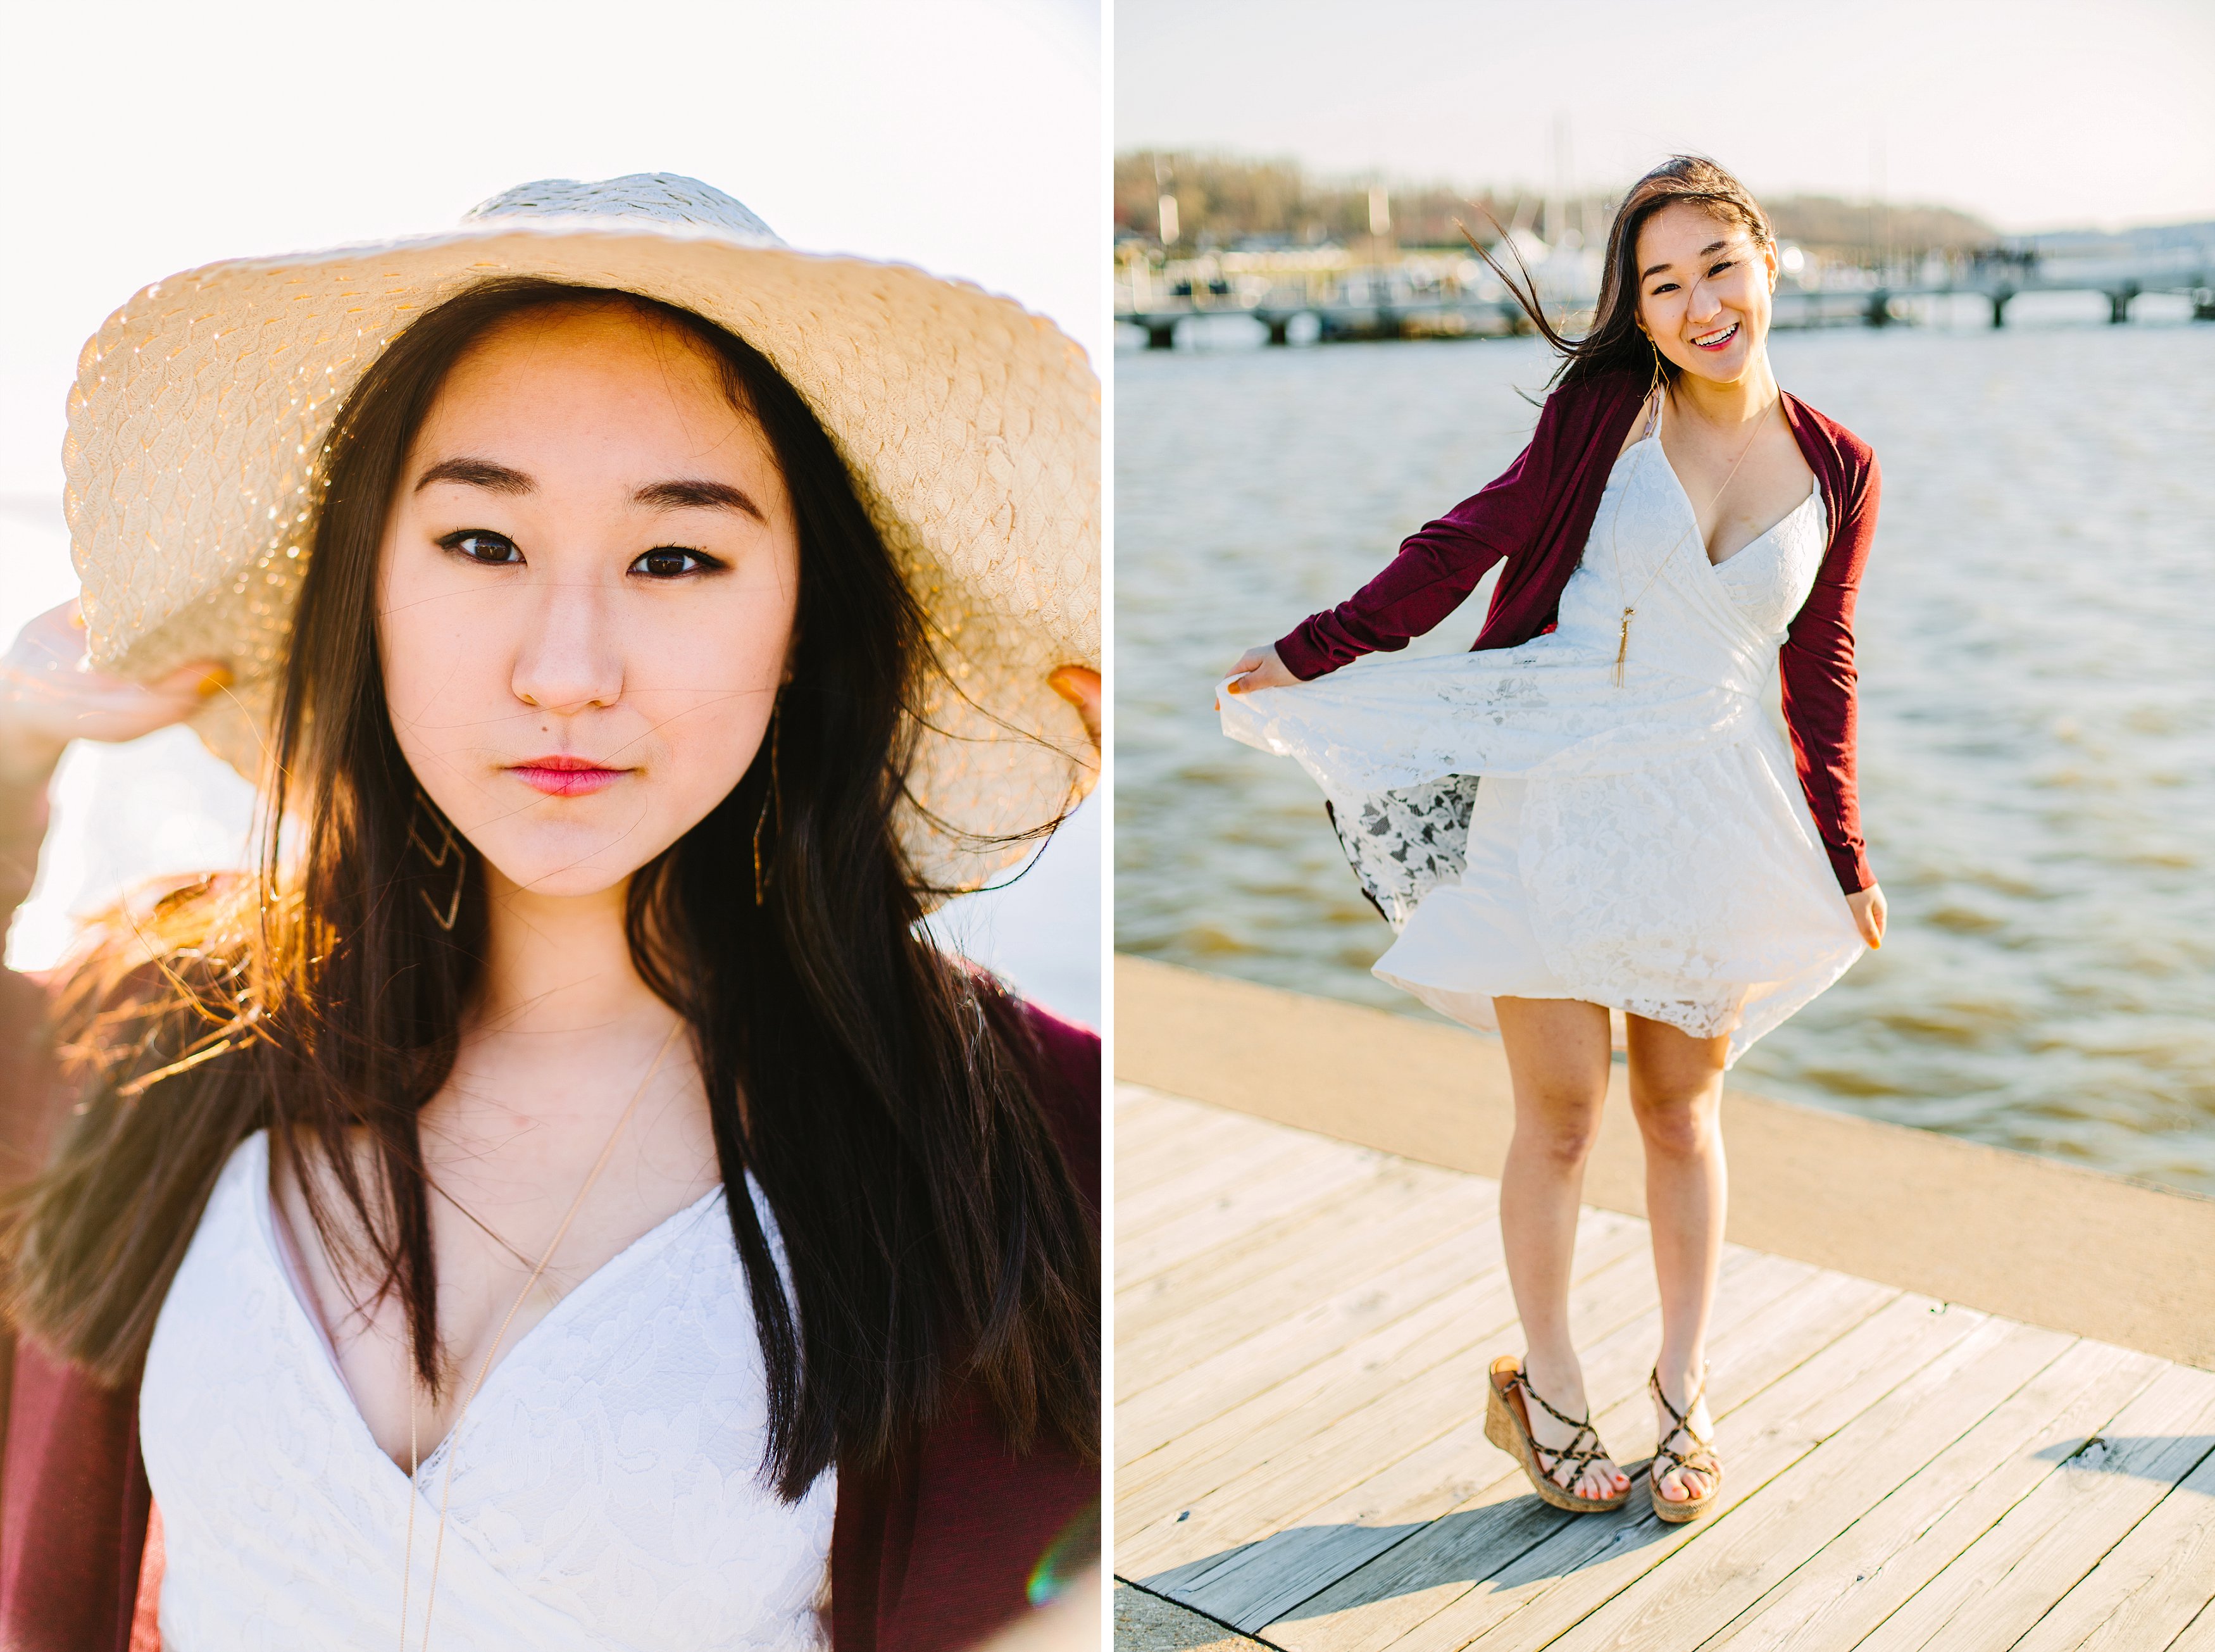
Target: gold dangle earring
[773, 801]
[449, 846]
[1653, 382]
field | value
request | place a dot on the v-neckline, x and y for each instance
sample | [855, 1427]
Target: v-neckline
[1653, 435]
[267, 1218]
[1814, 487]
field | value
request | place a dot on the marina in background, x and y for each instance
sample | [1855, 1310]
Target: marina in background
[2037, 696]
[1305, 262]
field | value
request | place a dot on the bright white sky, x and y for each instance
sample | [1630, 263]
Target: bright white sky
[2035, 113]
[140, 140]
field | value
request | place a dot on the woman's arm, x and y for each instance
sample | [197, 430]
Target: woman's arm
[1437, 567]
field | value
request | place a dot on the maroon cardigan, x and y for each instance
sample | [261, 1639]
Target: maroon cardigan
[1536, 516]
[931, 1554]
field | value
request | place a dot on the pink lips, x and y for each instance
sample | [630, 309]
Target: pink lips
[1722, 343]
[566, 776]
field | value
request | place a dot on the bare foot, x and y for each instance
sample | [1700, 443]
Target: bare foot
[1562, 1387]
[1682, 1484]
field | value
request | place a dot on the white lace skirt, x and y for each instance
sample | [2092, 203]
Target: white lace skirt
[1696, 894]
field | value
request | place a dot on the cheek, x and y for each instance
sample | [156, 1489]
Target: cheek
[440, 652]
[705, 683]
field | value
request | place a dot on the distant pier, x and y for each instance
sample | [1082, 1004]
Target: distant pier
[1403, 302]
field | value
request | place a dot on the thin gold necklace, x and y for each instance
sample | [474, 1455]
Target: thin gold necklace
[1615, 522]
[453, 1430]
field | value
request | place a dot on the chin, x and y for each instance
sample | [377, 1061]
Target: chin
[565, 864]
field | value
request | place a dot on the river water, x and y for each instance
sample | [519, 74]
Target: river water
[2037, 646]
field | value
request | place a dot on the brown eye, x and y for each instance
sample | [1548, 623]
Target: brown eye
[673, 561]
[481, 545]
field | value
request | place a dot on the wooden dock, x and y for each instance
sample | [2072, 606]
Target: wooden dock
[1302, 1327]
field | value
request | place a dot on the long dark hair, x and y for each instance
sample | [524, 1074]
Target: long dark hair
[880, 1093]
[1613, 343]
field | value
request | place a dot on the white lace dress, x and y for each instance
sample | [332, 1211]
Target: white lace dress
[1534, 829]
[605, 1494]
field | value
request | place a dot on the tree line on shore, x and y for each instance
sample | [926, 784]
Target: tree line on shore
[1227, 201]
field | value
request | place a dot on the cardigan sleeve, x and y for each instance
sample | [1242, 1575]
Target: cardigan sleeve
[73, 1498]
[1817, 668]
[1437, 567]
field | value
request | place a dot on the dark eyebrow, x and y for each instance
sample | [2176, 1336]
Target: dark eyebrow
[1713, 246]
[477, 473]
[694, 496]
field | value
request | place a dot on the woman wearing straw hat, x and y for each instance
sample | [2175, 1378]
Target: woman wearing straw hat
[559, 1198]
[1589, 815]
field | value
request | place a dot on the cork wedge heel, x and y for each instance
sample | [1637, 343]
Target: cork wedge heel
[1507, 1425]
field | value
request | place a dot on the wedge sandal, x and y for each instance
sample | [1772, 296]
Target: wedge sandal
[1702, 1457]
[1507, 1425]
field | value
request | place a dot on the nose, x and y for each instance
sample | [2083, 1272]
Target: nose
[569, 659]
[1704, 306]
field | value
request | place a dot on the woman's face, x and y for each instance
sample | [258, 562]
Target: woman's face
[1704, 291]
[586, 594]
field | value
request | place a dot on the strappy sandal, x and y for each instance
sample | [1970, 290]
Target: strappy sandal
[1702, 1457]
[1507, 1425]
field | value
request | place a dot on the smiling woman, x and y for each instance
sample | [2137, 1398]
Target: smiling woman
[1589, 818]
[562, 1199]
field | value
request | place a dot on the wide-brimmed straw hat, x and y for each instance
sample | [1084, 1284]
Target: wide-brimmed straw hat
[198, 425]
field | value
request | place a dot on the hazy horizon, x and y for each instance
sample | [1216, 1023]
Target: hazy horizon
[2037, 116]
[1589, 186]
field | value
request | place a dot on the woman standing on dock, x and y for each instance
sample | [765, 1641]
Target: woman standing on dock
[1590, 812]
[561, 1198]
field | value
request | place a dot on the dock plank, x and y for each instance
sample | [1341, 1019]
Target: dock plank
[1226, 1441]
[1396, 1419]
[1246, 1200]
[1395, 1222]
[2002, 1584]
[1312, 1235]
[2149, 1587]
[2198, 1635]
[1197, 1182]
[1237, 1371]
[1839, 1594]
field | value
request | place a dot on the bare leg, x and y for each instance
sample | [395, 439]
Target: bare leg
[1557, 1057]
[1676, 1094]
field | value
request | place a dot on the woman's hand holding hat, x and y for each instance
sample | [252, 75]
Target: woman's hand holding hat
[48, 697]
[1080, 686]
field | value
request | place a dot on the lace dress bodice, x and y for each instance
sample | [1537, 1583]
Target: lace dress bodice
[606, 1490]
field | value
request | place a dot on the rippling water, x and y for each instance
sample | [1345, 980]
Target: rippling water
[2037, 635]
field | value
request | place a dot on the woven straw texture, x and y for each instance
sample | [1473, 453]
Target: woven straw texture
[198, 420]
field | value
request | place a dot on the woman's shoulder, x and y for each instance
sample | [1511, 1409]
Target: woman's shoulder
[1831, 446]
[1582, 398]
[1585, 412]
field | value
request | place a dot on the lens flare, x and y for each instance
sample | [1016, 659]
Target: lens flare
[1075, 1547]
